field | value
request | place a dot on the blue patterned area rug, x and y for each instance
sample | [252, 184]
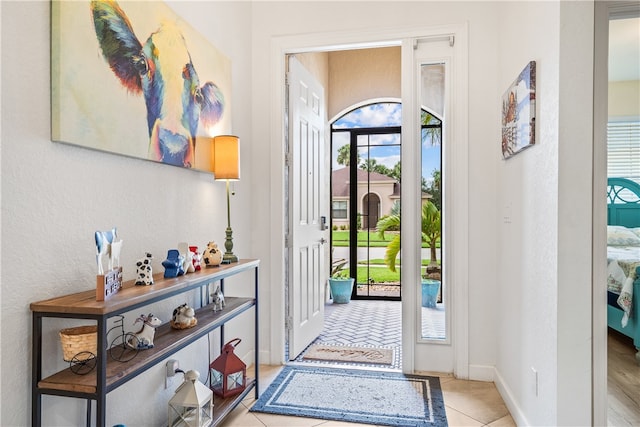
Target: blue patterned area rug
[371, 397]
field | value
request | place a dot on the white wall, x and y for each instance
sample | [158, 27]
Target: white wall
[545, 191]
[575, 218]
[54, 197]
[527, 242]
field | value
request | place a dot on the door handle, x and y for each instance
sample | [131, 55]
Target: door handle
[323, 241]
[323, 223]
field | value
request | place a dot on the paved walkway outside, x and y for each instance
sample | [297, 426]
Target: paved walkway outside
[371, 323]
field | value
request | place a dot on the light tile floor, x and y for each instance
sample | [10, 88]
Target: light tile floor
[468, 403]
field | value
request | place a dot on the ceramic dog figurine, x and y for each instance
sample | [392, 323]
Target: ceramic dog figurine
[218, 300]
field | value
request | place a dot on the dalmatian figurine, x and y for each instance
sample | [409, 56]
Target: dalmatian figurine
[145, 273]
[218, 299]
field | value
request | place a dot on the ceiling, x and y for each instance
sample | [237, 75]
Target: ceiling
[624, 49]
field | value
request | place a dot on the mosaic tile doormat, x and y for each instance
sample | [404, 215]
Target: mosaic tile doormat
[343, 353]
[351, 395]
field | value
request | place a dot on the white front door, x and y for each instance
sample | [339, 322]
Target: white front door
[308, 163]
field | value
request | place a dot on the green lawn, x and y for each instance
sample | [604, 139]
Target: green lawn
[378, 274]
[372, 239]
[366, 238]
[380, 261]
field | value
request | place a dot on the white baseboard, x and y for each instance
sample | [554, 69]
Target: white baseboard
[482, 373]
[509, 400]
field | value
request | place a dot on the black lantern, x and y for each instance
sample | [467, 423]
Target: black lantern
[228, 372]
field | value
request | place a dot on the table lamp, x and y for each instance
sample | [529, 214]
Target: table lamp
[226, 166]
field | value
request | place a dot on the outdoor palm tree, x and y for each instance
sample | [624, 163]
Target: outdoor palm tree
[344, 155]
[431, 231]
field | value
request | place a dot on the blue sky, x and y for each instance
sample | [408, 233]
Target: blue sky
[382, 115]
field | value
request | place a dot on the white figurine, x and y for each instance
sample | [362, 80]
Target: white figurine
[114, 254]
[218, 299]
[187, 265]
[148, 331]
[104, 239]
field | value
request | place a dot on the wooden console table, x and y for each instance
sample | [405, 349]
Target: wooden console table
[110, 374]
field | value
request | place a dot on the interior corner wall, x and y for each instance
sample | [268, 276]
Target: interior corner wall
[575, 216]
[544, 227]
[527, 222]
[55, 196]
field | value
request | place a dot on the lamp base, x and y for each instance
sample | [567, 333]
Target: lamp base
[228, 256]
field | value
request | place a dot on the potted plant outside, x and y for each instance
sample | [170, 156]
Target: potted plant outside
[431, 231]
[341, 285]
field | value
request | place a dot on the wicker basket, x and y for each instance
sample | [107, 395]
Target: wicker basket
[79, 339]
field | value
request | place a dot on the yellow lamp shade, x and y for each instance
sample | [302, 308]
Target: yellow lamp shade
[226, 157]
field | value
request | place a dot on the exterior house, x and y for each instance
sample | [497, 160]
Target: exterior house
[530, 305]
[377, 194]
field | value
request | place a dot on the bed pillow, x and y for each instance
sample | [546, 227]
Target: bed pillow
[618, 235]
[635, 231]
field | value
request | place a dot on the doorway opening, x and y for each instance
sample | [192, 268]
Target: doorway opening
[623, 155]
[421, 59]
[372, 326]
[365, 227]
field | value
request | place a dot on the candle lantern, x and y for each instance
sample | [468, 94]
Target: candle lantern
[228, 372]
[192, 404]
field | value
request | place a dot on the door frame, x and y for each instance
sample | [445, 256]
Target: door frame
[280, 47]
[604, 11]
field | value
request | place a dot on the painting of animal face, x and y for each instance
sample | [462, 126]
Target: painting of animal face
[156, 89]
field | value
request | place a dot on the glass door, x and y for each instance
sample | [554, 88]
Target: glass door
[365, 183]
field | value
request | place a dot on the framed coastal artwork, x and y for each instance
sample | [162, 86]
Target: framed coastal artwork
[519, 113]
[135, 79]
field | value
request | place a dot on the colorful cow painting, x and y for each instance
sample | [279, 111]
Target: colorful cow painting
[134, 78]
[162, 71]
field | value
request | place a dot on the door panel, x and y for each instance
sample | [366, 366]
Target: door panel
[308, 204]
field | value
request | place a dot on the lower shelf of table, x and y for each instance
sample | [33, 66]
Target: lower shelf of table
[222, 407]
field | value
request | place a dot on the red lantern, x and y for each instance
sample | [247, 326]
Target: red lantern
[228, 372]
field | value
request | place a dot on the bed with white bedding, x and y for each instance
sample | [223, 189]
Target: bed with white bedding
[623, 258]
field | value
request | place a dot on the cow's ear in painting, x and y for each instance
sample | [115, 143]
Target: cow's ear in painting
[212, 104]
[120, 46]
